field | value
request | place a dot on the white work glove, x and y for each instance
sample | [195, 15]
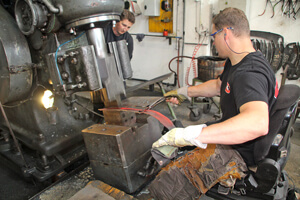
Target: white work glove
[181, 137]
[181, 94]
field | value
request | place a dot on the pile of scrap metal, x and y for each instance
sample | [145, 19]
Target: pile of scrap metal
[277, 53]
[291, 60]
[271, 45]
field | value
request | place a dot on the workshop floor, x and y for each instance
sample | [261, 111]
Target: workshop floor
[14, 188]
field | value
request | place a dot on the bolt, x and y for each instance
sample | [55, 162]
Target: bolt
[64, 75]
[60, 59]
[41, 137]
[78, 79]
[74, 61]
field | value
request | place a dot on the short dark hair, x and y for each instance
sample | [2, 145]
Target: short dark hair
[232, 17]
[126, 14]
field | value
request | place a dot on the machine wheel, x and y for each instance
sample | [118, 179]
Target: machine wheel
[206, 106]
[195, 116]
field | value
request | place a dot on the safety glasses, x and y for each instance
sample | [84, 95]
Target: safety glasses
[218, 31]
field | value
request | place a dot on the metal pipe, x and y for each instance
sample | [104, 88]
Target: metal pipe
[50, 6]
[96, 38]
[183, 28]
[156, 35]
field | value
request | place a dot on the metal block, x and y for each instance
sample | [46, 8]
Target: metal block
[118, 153]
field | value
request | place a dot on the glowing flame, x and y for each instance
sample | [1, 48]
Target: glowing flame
[48, 99]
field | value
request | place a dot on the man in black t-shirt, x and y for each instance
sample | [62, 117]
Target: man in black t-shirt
[247, 89]
[120, 30]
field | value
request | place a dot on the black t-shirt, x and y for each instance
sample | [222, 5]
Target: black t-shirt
[252, 79]
[111, 37]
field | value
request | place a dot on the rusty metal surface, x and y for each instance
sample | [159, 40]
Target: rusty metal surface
[118, 117]
[103, 129]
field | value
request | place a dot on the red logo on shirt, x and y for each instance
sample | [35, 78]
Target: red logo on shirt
[276, 90]
[227, 89]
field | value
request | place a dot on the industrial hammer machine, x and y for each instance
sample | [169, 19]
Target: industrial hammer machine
[55, 50]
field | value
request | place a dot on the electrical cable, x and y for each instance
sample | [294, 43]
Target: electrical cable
[20, 103]
[175, 58]
[61, 81]
[169, 65]
[28, 99]
[293, 183]
[193, 63]
[235, 51]
[95, 113]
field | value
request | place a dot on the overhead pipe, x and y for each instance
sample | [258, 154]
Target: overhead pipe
[50, 6]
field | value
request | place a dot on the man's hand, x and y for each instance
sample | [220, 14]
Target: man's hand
[180, 94]
[181, 137]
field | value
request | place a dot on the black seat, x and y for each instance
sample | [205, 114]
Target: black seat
[268, 180]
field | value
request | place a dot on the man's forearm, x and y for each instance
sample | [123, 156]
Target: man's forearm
[244, 127]
[209, 88]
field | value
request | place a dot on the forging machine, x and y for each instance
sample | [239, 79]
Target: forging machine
[55, 50]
